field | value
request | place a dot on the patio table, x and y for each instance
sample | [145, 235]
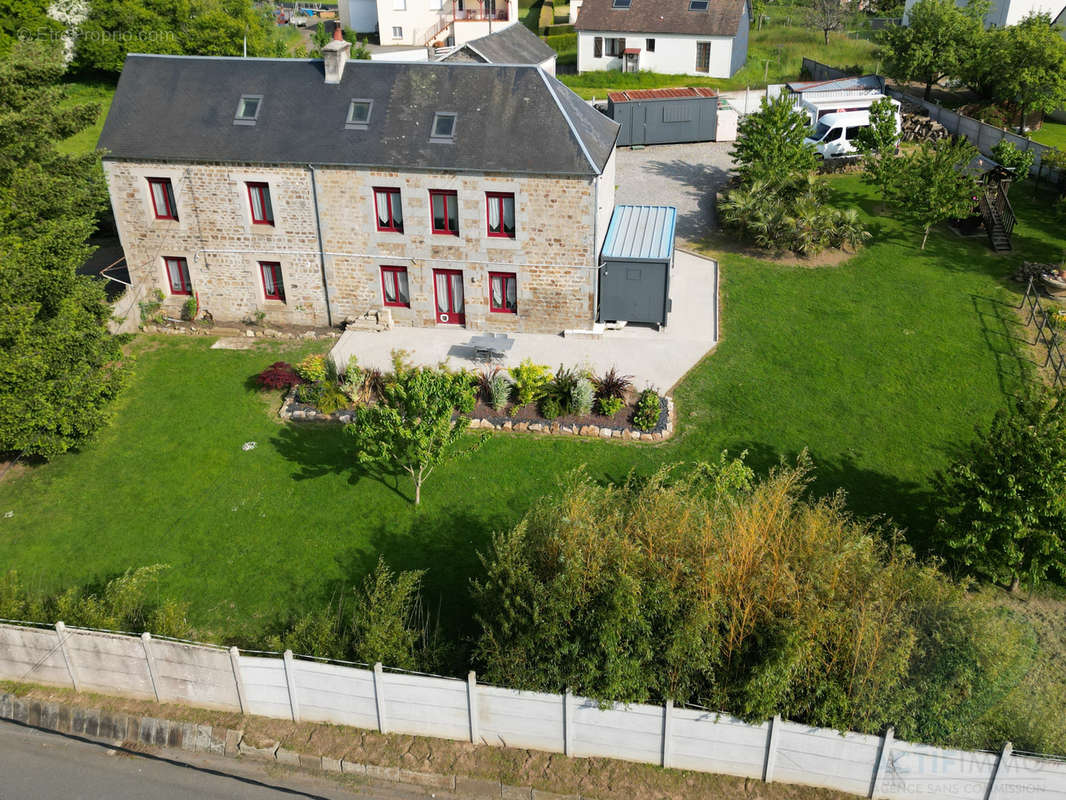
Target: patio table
[491, 346]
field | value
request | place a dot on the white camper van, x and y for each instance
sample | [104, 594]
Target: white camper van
[834, 133]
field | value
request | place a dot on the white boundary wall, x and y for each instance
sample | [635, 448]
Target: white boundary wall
[288, 687]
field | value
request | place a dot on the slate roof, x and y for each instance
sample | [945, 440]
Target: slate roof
[722, 17]
[512, 119]
[513, 45]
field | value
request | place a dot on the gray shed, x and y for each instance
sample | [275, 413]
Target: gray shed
[664, 116]
[635, 265]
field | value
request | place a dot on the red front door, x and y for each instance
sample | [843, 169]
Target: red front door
[448, 290]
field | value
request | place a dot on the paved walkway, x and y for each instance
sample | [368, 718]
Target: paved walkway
[658, 359]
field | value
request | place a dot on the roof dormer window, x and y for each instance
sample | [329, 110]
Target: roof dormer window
[248, 109]
[443, 127]
[620, 3]
[359, 115]
[697, 5]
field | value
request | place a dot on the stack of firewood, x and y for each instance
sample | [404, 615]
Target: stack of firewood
[918, 127]
[1031, 269]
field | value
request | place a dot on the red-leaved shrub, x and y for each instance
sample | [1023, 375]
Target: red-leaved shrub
[279, 375]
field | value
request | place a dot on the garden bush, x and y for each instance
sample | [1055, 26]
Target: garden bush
[584, 394]
[648, 410]
[279, 375]
[609, 406]
[549, 407]
[1021, 161]
[530, 382]
[312, 368]
[331, 399]
[189, 309]
[500, 391]
[706, 588]
[150, 308]
[611, 384]
[562, 389]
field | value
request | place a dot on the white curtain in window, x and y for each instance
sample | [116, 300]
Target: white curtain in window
[508, 214]
[390, 287]
[258, 212]
[457, 293]
[382, 200]
[268, 280]
[401, 288]
[494, 214]
[174, 272]
[441, 281]
[512, 294]
[159, 195]
[497, 292]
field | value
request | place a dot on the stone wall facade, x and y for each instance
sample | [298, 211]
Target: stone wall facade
[553, 254]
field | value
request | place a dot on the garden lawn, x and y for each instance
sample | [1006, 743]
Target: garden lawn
[775, 55]
[1051, 133]
[81, 92]
[881, 367]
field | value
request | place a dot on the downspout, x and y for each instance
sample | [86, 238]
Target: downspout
[321, 247]
[596, 248]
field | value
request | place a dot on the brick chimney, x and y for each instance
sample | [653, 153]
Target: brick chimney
[335, 54]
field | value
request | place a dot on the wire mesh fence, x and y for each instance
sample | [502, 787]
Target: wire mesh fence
[1047, 337]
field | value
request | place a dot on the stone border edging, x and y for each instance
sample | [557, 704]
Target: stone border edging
[116, 727]
[292, 411]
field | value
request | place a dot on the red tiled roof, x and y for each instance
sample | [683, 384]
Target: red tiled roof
[662, 94]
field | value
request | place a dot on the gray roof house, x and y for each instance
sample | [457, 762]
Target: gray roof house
[514, 45]
[316, 191]
[692, 37]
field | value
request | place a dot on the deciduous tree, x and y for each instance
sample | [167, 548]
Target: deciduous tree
[1032, 66]
[878, 143]
[931, 185]
[770, 143]
[827, 16]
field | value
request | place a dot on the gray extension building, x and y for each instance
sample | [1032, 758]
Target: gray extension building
[635, 265]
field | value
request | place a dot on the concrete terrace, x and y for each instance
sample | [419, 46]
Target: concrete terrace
[657, 359]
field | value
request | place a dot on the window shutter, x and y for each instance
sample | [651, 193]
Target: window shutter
[597, 47]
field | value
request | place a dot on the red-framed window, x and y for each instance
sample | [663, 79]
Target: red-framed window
[259, 198]
[444, 211]
[389, 210]
[178, 275]
[163, 198]
[273, 285]
[503, 292]
[500, 214]
[394, 288]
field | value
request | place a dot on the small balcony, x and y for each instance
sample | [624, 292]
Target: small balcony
[483, 11]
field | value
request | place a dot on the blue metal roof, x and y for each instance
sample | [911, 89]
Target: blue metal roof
[641, 233]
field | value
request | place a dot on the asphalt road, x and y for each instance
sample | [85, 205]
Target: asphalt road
[39, 765]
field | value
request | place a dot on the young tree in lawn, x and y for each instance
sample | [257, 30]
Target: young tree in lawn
[878, 143]
[935, 43]
[59, 365]
[1013, 158]
[770, 143]
[1003, 505]
[412, 428]
[1032, 66]
[827, 16]
[930, 185]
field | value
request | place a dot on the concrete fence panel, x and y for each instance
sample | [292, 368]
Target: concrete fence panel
[265, 686]
[1025, 776]
[511, 718]
[426, 706]
[819, 757]
[32, 654]
[631, 733]
[190, 674]
[710, 742]
[110, 663]
[934, 773]
[331, 693]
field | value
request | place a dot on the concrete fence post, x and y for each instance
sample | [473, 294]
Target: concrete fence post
[290, 683]
[146, 643]
[471, 705]
[668, 714]
[238, 680]
[998, 771]
[771, 749]
[379, 698]
[61, 634]
[568, 723]
[882, 763]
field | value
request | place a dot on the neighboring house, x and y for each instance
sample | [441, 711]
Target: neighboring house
[427, 22]
[691, 37]
[1006, 12]
[575, 7]
[312, 191]
[513, 45]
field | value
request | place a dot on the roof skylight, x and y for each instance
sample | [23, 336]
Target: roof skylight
[443, 127]
[697, 5]
[359, 115]
[248, 109]
[620, 3]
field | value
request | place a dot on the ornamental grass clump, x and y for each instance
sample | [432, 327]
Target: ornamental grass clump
[710, 588]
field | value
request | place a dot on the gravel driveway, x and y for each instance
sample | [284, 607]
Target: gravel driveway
[682, 175]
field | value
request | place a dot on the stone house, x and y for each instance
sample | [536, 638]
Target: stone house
[684, 37]
[313, 191]
[514, 45]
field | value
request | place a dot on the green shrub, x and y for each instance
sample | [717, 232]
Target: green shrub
[648, 410]
[609, 406]
[584, 394]
[1021, 161]
[530, 382]
[549, 407]
[331, 399]
[564, 33]
[562, 388]
[308, 393]
[150, 308]
[500, 390]
[189, 309]
[611, 384]
[312, 368]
